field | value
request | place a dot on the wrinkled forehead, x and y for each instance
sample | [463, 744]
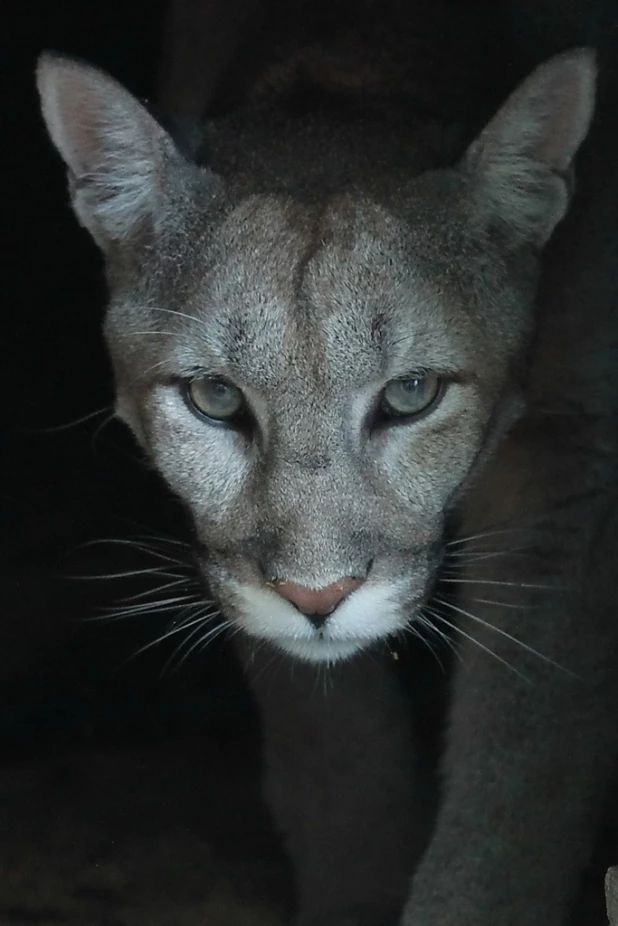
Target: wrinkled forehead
[290, 285]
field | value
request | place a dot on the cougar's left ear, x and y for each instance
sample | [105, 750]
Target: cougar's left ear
[520, 165]
[123, 166]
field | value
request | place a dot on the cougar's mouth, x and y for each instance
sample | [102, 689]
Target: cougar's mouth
[371, 613]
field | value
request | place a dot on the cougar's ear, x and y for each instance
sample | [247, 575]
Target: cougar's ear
[520, 165]
[119, 158]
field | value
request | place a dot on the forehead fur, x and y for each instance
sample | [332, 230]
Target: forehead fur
[345, 286]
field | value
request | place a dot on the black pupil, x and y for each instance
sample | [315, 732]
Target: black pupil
[410, 385]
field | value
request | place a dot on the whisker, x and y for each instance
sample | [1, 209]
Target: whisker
[201, 621]
[113, 613]
[167, 334]
[150, 606]
[150, 369]
[191, 610]
[125, 574]
[475, 556]
[324, 677]
[212, 635]
[498, 532]
[159, 604]
[427, 624]
[191, 318]
[103, 425]
[132, 544]
[505, 584]
[71, 424]
[414, 631]
[157, 590]
[486, 649]
[162, 540]
[505, 604]
[503, 633]
[277, 657]
[208, 637]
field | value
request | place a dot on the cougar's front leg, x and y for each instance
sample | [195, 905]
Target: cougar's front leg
[533, 733]
[342, 783]
[526, 776]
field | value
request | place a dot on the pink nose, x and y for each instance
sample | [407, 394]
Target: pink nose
[317, 601]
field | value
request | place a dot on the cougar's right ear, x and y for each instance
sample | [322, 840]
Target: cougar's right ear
[123, 166]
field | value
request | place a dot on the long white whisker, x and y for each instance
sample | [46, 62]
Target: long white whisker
[150, 369]
[490, 533]
[500, 582]
[112, 614]
[186, 580]
[167, 334]
[478, 643]
[201, 621]
[207, 638]
[503, 633]
[211, 636]
[125, 574]
[189, 612]
[474, 556]
[191, 318]
[152, 606]
[72, 424]
[414, 631]
[162, 540]
[428, 625]
[505, 604]
[276, 657]
[141, 547]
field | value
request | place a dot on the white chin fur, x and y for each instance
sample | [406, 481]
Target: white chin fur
[369, 614]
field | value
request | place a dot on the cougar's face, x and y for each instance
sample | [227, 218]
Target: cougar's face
[318, 398]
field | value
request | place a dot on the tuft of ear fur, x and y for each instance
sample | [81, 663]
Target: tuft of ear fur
[521, 163]
[116, 153]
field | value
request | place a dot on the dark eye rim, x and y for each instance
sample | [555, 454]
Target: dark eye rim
[385, 416]
[240, 420]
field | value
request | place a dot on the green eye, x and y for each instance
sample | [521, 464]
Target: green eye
[215, 398]
[408, 397]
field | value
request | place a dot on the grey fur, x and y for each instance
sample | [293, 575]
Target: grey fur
[310, 262]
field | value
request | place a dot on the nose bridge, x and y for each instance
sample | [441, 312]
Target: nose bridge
[308, 436]
[311, 508]
[311, 487]
[307, 452]
[315, 488]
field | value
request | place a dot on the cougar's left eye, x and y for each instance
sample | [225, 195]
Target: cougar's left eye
[407, 397]
[216, 399]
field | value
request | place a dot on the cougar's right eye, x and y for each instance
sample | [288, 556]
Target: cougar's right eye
[215, 399]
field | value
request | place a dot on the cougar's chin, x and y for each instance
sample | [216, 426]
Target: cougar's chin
[369, 614]
[320, 651]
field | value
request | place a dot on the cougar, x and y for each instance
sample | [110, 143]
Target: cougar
[329, 336]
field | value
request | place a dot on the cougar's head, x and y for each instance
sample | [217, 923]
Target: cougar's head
[317, 370]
